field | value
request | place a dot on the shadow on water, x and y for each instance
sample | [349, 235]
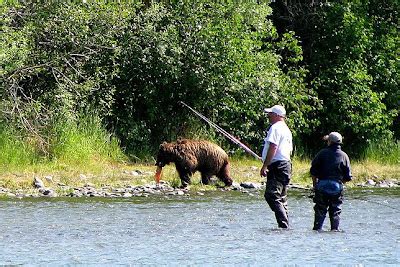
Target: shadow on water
[217, 228]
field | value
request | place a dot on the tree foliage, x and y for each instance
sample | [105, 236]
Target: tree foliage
[131, 64]
[351, 51]
[347, 67]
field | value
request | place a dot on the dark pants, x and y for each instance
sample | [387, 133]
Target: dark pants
[323, 204]
[278, 177]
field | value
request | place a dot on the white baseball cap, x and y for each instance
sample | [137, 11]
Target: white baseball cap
[277, 109]
[334, 137]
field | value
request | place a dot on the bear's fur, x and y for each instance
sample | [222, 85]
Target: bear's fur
[190, 156]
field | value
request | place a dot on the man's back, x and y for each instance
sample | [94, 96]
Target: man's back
[331, 163]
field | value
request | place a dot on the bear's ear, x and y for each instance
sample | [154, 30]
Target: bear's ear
[181, 140]
[163, 144]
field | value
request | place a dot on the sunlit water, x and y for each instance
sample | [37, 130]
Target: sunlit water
[229, 228]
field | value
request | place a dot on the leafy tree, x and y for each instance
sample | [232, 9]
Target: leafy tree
[212, 57]
[131, 64]
[340, 65]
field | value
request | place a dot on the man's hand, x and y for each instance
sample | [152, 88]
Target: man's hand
[263, 171]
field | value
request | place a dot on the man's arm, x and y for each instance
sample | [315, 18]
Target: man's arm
[347, 176]
[314, 181]
[270, 155]
[315, 169]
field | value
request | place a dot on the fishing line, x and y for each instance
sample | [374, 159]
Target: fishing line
[365, 200]
[378, 203]
[225, 133]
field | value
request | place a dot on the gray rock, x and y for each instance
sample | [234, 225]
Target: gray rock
[236, 186]
[383, 184]
[4, 190]
[49, 193]
[127, 195]
[135, 173]
[250, 185]
[37, 183]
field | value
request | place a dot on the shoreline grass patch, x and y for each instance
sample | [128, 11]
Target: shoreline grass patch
[15, 153]
[84, 142]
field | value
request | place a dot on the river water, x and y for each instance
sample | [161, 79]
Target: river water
[216, 229]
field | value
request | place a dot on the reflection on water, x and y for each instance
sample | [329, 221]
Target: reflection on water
[215, 229]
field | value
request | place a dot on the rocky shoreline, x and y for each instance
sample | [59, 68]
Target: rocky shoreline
[152, 189]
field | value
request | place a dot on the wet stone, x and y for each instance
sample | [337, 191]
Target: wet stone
[250, 185]
[38, 183]
[162, 188]
[49, 178]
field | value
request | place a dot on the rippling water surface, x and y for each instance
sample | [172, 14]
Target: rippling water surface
[228, 228]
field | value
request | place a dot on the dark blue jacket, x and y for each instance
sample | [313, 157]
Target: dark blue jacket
[331, 163]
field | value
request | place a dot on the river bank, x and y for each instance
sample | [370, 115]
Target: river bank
[162, 189]
[127, 181]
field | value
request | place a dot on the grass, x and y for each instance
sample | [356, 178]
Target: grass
[386, 152]
[83, 143]
[86, 153]
[14, 152]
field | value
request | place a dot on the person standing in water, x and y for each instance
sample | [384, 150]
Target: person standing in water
[276, 163]
[330, 169]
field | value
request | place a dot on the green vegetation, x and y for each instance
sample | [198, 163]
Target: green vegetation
[87, 87]
[384, 153]
[14, 151]
[82, 146]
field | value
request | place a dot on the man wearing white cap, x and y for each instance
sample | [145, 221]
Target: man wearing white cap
[329, 169]
[276, 163]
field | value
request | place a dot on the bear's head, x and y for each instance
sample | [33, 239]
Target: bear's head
[166, 154]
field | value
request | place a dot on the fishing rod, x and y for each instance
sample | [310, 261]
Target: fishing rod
[225, 133]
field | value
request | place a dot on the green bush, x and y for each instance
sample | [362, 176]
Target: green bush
[132, 65]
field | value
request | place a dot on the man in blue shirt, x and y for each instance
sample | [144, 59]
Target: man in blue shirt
[330, 169]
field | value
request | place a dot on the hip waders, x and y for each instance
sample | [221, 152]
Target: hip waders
[323, 204]
[278, 177]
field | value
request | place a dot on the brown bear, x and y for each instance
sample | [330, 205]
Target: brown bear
[190, 156]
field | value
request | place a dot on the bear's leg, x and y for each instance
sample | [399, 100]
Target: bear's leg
[224, 175]
[205, 178]
[184, 175]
